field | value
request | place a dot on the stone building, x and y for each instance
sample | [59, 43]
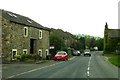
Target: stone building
[111, 39]
[22, 35]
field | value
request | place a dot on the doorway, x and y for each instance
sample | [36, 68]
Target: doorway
[32, 46]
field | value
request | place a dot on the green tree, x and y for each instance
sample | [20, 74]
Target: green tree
[56, 41]
[92, 42]
[99, 43]
[106, 46]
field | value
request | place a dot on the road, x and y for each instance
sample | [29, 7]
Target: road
[86, 67]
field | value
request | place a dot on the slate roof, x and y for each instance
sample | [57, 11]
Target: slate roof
[13, 17]
[114, 33]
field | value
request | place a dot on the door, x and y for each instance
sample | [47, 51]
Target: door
[32, 46]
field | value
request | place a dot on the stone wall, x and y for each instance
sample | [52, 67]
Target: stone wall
[13, 38]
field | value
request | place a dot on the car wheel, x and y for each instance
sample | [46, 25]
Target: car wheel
[67, 59]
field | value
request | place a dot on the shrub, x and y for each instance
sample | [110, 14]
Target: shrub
[49, 57]
[36, 57]
[18, 57]
[23, 57]
[29, 56]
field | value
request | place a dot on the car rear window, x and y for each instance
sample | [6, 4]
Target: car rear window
[87, 50]
[61, 53]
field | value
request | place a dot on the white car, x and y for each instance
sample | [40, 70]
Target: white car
[87, 52]
[76, 53]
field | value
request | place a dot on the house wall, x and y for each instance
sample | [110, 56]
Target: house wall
[13, 38]
[0, 36]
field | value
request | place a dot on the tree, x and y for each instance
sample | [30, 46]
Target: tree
[92, 42]
[82, 43]
[106, 45]
[56, 41]
[99, 43]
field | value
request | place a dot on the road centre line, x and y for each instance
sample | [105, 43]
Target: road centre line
[88, 68]
[33, 70]
[89, 62]
[88, 73]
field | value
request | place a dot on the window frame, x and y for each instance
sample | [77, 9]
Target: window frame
[24, 50]
[41, 52]
[13, 58]
[25, 31]
[40, 34]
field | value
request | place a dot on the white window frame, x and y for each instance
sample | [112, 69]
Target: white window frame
[24, 51]
[12, 53]
[40, 34]
[26, 34]
[47, 52]
[40, 50]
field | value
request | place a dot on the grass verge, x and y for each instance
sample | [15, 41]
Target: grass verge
[113, 58]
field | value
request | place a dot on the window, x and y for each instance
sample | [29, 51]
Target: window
[46, 51]
[29, 21]
[40, 52]
[24, 51]
[14, 52]
[40, 34]
[25, 31]
[12, 15]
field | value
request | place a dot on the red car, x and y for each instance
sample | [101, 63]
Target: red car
[62, 55]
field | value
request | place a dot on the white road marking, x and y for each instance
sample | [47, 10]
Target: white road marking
[89, 62]
[33, 70]
[88, 69]
[88, 73]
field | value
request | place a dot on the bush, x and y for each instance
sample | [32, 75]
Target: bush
[49, 57]
[23, 57]
[18, 57]
[29, 56]
[36, 57]
[26, 56]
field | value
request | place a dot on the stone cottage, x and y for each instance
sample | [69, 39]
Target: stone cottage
[22, 35]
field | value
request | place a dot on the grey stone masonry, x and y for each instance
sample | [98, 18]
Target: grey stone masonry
[21, 35]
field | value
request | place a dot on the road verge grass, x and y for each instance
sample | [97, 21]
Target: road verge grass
[113, 58]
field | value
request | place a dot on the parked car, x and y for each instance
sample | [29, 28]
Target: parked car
[87, 52]
[76, 53]
[62, 55]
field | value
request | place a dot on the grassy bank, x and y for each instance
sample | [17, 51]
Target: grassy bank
[113, 58]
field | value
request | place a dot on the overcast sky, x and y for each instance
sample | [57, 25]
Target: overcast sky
[74, 16]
